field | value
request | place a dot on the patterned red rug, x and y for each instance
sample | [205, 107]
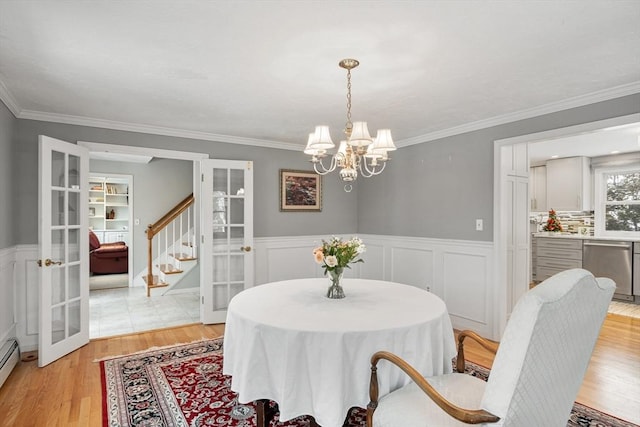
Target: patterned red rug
[184, 386]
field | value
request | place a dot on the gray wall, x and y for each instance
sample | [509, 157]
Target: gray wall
[7, 124]
[339, 214]
[438, 189]
[157, 187]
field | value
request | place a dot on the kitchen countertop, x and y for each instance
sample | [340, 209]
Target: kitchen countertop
[565, 235]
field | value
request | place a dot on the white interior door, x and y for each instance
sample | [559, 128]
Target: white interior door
[227, 235]
[63, 248]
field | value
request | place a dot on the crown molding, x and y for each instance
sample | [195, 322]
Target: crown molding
[554, 107]
[153, 130]
[579, 101]
[7, 98]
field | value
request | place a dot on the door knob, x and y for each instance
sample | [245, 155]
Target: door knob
[246, 248]
[48, 262]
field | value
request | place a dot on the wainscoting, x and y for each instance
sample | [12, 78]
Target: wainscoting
[459, 272]
[7, 295]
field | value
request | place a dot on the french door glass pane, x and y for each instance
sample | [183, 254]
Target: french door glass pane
[237, 182]
[74, 208]
[74, 281]
[237, 233]
[57, 169]
[220, 180]
[58, 322]
[57, 207]
[57, 245]
[74, 245]
[74, 318]
[58, 293]
[237, 268]
[236, 211]
[74, 172]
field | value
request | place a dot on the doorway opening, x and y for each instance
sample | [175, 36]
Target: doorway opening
[504, 216]
[120, 310]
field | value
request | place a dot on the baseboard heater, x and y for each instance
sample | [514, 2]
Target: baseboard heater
[10, 354]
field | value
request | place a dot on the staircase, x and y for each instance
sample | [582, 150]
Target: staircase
[171, 247]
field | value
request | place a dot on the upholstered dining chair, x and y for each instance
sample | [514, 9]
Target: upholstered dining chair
[537, 372]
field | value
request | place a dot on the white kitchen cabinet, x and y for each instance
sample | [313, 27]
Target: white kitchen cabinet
[557, 254]
[569, 184]
[538, 188]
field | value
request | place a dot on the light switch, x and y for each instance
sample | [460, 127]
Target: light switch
[479, 225]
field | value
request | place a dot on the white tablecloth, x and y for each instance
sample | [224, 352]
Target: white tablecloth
[287, 342]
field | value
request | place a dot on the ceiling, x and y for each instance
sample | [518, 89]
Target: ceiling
[266, 72]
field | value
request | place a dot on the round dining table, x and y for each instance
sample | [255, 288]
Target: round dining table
[287, 342]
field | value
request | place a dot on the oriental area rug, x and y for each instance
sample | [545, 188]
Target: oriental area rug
[183, 385]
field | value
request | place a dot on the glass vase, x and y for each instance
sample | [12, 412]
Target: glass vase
[335, 290]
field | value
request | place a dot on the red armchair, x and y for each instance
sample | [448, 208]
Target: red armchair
[107, 258]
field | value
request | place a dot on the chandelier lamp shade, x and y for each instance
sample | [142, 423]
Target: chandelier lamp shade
[358, 154]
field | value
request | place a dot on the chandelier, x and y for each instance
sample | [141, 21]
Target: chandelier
[358, 153]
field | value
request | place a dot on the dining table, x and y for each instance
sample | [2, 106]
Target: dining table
[288, 343]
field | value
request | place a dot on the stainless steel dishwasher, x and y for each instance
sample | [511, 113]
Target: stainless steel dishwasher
[612, 259]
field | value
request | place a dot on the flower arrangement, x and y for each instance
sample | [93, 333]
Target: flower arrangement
[336, 254]
[553, 224]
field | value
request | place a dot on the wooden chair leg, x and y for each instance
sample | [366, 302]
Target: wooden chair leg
[264, 413]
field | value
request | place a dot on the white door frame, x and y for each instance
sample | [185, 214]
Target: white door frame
[499, 230]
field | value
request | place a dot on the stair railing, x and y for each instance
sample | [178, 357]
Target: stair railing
[173, 221]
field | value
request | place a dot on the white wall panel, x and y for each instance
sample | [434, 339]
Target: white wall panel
[27, 296]
[7, 295]
[374, 262]
[465, 294]
[413, 266]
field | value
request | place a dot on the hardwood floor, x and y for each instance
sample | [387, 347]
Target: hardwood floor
[68, 391]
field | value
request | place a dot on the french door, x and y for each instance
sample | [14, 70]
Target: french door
[63, 248]
[227, 264]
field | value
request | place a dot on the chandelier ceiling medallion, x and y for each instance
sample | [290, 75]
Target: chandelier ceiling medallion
[358, 152]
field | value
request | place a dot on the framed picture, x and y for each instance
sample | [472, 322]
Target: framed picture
[300, 191]
[92, 211]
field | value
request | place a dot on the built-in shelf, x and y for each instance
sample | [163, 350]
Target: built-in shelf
[109, 207]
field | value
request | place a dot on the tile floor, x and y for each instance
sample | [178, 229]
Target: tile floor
[625, 309]
[127, 310]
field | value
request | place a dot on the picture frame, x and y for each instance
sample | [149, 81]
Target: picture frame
[92, 211]
[300, 191]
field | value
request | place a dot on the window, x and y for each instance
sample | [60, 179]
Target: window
[617, 204]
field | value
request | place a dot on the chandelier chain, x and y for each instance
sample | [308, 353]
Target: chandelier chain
[348, 125]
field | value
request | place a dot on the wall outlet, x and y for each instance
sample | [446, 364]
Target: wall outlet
[479, 225]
